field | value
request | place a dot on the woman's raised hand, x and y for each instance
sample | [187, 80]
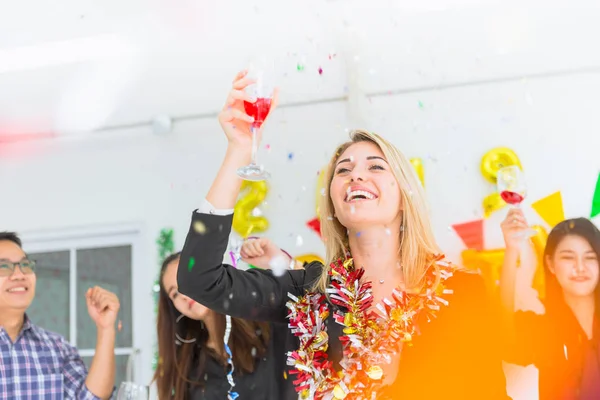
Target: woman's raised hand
[233, 118]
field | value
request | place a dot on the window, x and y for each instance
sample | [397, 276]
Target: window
[67, 265]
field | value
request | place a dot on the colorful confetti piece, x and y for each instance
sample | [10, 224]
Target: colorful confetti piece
[191, 263]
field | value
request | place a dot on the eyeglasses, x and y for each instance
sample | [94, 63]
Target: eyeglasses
[7, 268]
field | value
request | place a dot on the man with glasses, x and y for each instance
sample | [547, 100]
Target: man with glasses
[36, 363]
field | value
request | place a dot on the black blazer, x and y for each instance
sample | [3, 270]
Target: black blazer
[259, 385]
[457, 355]
[556, 344]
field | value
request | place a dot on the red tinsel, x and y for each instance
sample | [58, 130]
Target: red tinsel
[370, 339]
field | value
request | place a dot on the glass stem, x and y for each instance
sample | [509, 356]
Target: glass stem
[254, 131]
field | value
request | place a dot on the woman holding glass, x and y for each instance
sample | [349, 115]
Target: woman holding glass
[388, 317]
[563, 342]
[192, 357]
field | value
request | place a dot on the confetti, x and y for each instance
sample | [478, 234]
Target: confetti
[421, 105]
[388, 231]
[320, 71]
[120, 326]
[299, 241]
[199, 227]
[279, 265]
[191, 264]
[300, 67]
[290, 156]
[234, 259]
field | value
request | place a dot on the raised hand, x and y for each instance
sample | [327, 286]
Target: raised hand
[262, 253]
[233, 118]
[512, 226]
[103, 307]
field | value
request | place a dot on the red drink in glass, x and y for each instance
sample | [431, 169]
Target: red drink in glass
[511, 197]
[258, 110]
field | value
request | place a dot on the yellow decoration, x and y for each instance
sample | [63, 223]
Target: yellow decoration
[320, 191]
[252, 195]
[417, 164]
[338, 392]
[492, 203]
[308, 258]
[550, 208]
[489, 262]
[495, 159]
[539, 244]
[375, 372]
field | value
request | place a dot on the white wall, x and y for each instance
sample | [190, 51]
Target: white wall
[525, 78]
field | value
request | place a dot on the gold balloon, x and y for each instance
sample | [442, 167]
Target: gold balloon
[495, 159]
[308, 258]
[244, 223]
[417, 164]
[539, 244]
[492, 203]
[320, 191]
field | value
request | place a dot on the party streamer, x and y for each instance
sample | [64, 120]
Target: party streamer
[230, 395]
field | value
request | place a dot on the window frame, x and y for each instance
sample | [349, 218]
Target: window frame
[83, 238]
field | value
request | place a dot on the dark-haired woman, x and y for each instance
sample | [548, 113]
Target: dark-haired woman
[192, 356]
[563, 342]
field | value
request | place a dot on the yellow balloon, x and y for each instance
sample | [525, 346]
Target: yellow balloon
[308, 258]
[320, 191]
[252, 195]
[417, 164]
[492, 203]
[498, 158]
[539, 244]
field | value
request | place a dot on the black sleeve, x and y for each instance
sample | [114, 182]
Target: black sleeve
[252, 294]
[528, 345]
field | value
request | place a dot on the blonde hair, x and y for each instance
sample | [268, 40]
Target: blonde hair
[418, 244]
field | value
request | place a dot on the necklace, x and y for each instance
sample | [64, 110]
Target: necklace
[370, 339]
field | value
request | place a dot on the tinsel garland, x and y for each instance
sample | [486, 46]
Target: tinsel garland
[370, 339]
[166, 247]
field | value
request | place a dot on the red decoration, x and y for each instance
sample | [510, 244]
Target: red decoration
[471, 233]
[371, 336]
[315, 225]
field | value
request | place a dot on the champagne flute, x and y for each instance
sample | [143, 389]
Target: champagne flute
[263, 72]
[133, 391]
[513, 190]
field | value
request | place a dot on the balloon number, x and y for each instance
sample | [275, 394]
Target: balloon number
[417, 164]
[491, 163]
[245, 222]
[321, 191]
[496, 159]
[308, 258]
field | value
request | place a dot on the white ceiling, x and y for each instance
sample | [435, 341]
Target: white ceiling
[90, 64]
